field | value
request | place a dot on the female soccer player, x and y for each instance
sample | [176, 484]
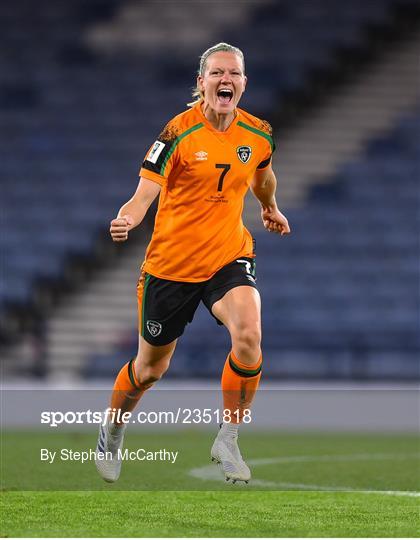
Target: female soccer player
[201, 166]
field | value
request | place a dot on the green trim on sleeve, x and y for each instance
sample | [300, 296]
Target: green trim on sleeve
[175, 144]
[258, 132]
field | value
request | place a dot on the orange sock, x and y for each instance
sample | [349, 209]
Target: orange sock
[127, 389]
[239, 385]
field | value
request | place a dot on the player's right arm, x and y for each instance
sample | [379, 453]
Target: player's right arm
[133, 211]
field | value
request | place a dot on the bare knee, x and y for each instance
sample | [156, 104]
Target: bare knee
[152, 362]
[246, 343]
[149, 374]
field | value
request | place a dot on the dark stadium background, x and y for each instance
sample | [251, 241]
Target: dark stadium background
[85, 88]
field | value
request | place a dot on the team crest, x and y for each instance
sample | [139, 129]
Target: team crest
[155, 328]
[244, 153]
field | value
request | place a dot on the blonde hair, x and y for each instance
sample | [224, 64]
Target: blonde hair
[197, 94]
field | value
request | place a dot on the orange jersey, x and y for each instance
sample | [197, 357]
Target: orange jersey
[204, 174]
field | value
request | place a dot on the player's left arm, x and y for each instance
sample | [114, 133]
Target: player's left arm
[263, 186]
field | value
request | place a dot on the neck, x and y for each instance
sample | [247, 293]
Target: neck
[220, 122]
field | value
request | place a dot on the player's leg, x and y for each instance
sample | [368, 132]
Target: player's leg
[240, 311]
[164, 309]
[140, 374]
[132, 381]
[232, 298]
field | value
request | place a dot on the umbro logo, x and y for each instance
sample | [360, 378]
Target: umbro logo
[244, 153]
[155, 328]
[201, 155]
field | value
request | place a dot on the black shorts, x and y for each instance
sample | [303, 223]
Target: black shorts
[166, 307]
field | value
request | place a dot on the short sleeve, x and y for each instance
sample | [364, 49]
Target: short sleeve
[269, 145]
[161, 157]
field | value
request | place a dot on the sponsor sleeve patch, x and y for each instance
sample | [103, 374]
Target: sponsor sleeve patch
[155, 152]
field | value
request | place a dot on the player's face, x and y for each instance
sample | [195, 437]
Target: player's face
[223, 82]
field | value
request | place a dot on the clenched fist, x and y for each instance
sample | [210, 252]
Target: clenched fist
[119, 228]
[275, 221]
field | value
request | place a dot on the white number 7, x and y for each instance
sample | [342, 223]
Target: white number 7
[247, 264]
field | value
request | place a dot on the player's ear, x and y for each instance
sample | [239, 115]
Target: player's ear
[245, 81]
[200, 84]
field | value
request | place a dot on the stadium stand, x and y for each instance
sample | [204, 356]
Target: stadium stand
[76, 122]
[340, 296]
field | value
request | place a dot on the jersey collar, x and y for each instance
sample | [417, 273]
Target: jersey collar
[209, 126]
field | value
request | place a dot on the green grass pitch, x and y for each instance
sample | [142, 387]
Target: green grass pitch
[304, 484]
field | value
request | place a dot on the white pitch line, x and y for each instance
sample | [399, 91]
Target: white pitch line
[334, 457]
[211, 472]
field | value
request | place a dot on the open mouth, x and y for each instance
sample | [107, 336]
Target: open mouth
[224, 95]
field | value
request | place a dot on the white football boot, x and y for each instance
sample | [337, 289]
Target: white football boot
[225, 451]
[107, 456]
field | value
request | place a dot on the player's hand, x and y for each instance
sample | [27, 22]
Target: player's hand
[275, 221]
[119, 228]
